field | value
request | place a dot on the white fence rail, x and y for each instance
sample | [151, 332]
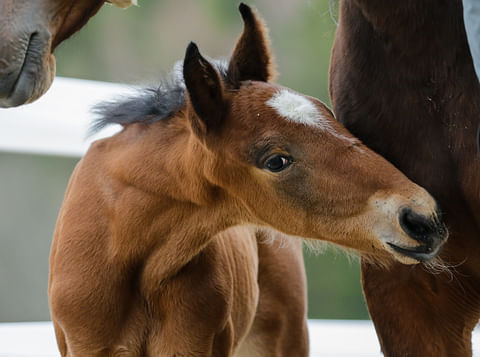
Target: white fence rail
[58, 125]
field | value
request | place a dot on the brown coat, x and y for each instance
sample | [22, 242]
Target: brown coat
[402, 80]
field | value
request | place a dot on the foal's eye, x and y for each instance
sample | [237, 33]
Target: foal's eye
[277, 163]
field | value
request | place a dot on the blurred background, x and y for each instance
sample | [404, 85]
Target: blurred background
[138, 46]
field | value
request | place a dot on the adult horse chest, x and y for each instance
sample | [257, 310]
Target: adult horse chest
[402, 80]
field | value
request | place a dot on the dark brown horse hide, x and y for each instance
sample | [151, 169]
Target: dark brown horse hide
[402, 80]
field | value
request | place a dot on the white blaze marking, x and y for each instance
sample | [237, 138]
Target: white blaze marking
[298, 109]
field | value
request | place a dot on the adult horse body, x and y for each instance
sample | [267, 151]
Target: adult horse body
[29, 33]
[158, 246]
[402, 80]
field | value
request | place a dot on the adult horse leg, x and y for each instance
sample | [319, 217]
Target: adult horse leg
[419, 312]
[410, 322]
[280, 325]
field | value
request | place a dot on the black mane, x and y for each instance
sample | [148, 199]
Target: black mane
[150, 104]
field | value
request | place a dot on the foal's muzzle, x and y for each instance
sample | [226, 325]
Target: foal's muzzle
[429, 232]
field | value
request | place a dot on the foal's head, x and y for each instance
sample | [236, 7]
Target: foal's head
[279, 158]
[282, 155]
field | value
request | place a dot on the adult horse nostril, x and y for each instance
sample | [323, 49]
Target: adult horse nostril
[418, 226]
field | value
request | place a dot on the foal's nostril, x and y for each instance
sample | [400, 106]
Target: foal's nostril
[430, 232]
[418, 227]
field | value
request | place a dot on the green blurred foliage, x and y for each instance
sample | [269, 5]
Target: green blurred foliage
[31, 193]
[334, 288]
[140, 44]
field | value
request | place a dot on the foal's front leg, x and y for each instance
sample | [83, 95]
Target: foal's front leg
[191, 342]
[195, 313]
[280, 325]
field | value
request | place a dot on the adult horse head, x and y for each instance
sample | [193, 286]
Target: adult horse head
[29, 33]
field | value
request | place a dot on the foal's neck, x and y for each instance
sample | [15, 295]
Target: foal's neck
[169, 210]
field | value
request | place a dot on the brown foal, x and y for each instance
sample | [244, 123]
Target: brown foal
[158, 247]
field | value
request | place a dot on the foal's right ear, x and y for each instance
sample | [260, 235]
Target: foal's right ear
[205, 91]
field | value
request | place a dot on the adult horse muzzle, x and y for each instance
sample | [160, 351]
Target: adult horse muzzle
[27, 68]
[430, 233]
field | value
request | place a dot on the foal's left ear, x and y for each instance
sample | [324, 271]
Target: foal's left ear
[251, 59]
[205, 91]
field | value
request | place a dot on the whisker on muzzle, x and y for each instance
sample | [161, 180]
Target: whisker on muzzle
[437, 266]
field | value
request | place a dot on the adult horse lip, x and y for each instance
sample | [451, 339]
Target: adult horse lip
[29, 74]
[421, 253]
